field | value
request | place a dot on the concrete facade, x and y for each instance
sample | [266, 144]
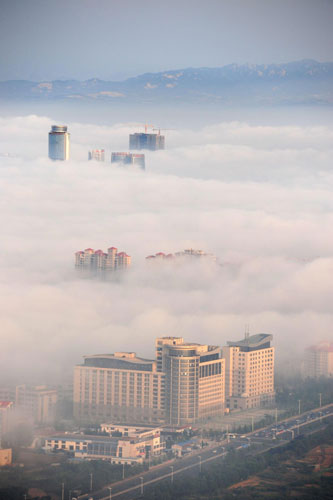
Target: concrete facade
[119, 387]
[249, 372]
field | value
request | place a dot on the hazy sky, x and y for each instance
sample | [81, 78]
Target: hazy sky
[112, 39]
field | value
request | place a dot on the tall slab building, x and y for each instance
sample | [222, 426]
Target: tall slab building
[119, 387]
[59, 143]
[249, 372]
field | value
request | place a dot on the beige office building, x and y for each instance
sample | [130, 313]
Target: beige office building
[194, 380]
[118, 387]
[249, 372]
[319, 360]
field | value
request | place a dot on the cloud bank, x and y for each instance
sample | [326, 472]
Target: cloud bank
[260, 198]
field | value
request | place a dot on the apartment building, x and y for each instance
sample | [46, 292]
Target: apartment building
[99, 261]
[119, 387]
[319, 360]
[249, 372]
[194, 380]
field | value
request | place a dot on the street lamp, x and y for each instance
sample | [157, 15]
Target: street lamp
[320, 399]
[141, 479]
[200, 462]
[299, 406]
[123, 470]
[91, 481]
[171, 467]
[62, 491]
[110, 490]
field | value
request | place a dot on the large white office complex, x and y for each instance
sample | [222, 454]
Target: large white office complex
[59, 143]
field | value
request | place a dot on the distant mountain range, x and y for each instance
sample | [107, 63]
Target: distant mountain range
[301, 82]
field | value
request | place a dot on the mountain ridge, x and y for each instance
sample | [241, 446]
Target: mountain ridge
[305, 81]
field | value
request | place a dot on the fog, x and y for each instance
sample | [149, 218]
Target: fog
[258, 196]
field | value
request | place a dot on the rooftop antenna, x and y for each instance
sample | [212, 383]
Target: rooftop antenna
[247, 331]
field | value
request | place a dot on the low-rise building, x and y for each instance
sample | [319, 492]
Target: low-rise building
[125, 449]
[5, 456]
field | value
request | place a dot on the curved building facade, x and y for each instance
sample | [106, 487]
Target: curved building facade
[194, 382]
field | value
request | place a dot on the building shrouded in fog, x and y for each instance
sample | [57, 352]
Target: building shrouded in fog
[6, 407]
[38, 403]
[96, 154]
[249, 372]
[319, 360]
[59, 143]
[129, 159]
[141, 140]
[97, 260]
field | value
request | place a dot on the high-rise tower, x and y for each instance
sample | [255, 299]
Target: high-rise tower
[59, 143]
[146, 141]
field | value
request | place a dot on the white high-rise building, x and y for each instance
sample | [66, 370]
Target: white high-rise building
[59, 143]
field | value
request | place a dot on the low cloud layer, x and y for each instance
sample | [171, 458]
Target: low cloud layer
[260, 198]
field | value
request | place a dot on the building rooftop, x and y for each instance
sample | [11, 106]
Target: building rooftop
[253, 341]
[119, 360]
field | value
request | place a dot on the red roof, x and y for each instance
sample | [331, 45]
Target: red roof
[99, 252]
[112, 248]
[160, 253]
[5, 404]
[89, 250]
[79, 252]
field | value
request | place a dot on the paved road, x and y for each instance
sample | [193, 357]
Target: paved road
[271, 436]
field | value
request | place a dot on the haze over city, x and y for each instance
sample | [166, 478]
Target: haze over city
[199, 136]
